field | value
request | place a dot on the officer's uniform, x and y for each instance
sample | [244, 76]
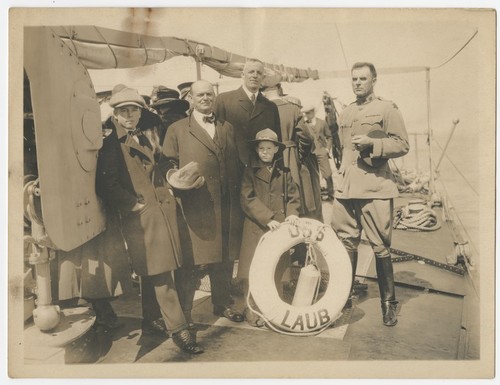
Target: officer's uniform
[364, 194]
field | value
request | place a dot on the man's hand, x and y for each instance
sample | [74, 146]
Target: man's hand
[273, 225]
[362, 142]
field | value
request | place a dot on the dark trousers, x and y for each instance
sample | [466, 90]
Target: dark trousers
[165, 295]
[220, 275]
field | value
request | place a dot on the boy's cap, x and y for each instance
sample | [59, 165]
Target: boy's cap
[126, 97]
[267, 135]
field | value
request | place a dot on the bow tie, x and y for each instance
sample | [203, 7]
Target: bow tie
[209, 119]
[135, 132]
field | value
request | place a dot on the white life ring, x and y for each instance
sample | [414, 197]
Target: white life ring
[300, 319]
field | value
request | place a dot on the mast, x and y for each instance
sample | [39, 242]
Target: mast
[432, 187]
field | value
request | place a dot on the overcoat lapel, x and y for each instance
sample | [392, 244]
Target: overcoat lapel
[259, 107]
[130, 142]
[244, 101]
[199, 133]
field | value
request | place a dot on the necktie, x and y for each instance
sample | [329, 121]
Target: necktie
[252, 98]
[209, 118]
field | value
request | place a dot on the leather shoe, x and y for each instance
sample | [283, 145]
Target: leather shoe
[156, 327]
[389, 316]
[185, 341]
[230, 314]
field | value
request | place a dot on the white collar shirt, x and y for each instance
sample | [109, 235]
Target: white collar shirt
[208, 127]
[250, 93]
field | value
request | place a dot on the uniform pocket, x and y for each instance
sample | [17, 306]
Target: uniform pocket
[372, 122]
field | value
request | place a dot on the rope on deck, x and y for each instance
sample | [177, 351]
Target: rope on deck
[416, 216]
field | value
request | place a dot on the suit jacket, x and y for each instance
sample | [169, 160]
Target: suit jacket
[360, 181]
[236, 108]
[212, 212]
[127, 173]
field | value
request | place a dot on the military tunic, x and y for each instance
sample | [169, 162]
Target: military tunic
[364, 194]
[360, 181]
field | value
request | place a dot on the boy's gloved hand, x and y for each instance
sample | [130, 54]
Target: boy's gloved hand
[273, 225]
[292, 219]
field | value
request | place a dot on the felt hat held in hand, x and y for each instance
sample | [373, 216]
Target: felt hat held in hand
[186, 178]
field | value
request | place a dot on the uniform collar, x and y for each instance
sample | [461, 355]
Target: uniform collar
[366, 100]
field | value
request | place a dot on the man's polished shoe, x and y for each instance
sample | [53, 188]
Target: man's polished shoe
[389, 315]
[230, 314]
[185, 341]
[156, 327]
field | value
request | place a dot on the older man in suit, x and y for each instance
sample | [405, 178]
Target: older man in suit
[248, 110]
[203, 149]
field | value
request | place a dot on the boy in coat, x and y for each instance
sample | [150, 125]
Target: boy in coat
[266, 204]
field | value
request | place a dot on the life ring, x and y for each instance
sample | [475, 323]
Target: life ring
[300, 319]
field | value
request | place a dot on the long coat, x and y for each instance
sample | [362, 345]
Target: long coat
[127, 173]
[300, 159]
[236, 108]
[212, 212]
[263, 200]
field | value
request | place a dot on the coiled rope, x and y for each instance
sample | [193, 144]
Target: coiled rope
[416, 216]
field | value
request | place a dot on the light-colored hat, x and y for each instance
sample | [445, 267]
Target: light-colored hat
[267, 135]
[308, 107]
[187, 177]
[126, 97]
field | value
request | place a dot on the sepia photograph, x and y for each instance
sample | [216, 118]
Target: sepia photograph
[251, 193]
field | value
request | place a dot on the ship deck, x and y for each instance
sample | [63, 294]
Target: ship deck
[436, 318]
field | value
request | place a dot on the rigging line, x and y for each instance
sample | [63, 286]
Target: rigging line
[109, 45]
[342, 46]
[463, 227]
[456, 168]
[460, 50]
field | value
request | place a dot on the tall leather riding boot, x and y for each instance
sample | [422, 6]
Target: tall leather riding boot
[385, 277]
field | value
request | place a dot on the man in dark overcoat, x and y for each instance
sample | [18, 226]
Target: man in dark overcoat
[298, 155]
[131, 185]
[210, 209]
[248, 110]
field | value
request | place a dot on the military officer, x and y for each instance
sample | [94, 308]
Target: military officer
[371, 132]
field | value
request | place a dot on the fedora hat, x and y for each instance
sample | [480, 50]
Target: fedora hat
[187, 177]
[184, 89]
[126, 97]
[267, 135]
[163, 96]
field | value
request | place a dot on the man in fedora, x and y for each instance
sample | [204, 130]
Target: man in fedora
[130, 184]
[167, 104]
[365, 193]
[210, 205]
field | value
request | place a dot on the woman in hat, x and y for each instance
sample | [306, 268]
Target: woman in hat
[131, 185]
[269, 196]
